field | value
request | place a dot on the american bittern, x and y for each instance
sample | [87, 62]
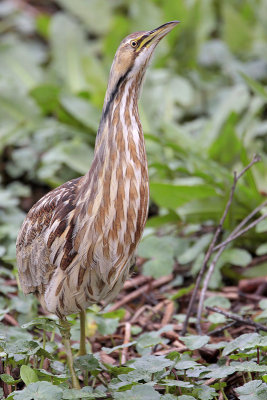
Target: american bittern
[76, 244]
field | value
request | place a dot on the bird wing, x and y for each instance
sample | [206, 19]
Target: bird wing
[45, 224]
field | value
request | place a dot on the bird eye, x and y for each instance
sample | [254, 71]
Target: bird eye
[133, 43]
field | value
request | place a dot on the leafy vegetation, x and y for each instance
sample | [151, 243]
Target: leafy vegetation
[203, 111]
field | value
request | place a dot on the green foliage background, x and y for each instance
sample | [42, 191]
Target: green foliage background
[203, 110]
[203, 106]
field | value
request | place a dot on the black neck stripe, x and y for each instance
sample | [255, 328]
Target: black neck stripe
[114, 92]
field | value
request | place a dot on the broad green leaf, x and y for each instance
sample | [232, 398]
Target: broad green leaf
[9, 379]
[28, 375]
[261, 226]
[186, 364]
[177, 383]
[226, 148]
[174, 196]
[255, 390]
[68, 44]
[217, 301]
[198, 247]
[85, 393]
[160, 251]
[194, 342]
[106, 326]
[245, 341]
[138, 392]
[220, 372]
[150, 363]
[234, 22]
[75, 154]
[87, 363]
[263, 304]
[95, 14]
[237, 257]
[147, 340]
[216, 318]
[262, 249]
[249, 366]
[39, 391]
[204, 392]
[82, 110]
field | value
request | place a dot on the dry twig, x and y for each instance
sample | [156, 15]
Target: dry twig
[212, 248]
[234, 317]
[127, 337]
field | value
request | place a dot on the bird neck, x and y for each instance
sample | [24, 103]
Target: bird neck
[120, 134]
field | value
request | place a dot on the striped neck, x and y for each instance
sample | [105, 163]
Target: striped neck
[120, 132]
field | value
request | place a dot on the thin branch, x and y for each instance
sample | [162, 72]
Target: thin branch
[234, 236]
[241, 320]
[211, 248]
[207, 257]
[222, 328]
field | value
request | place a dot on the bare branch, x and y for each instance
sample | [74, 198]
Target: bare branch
[234, 235]
[211, 249]
[234, 317]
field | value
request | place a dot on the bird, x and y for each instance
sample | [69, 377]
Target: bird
[77, 243]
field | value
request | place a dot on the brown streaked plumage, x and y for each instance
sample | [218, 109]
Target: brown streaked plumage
[76, 244]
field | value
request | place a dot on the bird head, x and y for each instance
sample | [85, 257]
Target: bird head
[133, 56]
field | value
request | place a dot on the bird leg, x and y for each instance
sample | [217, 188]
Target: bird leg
[65, 333]
[82, 351]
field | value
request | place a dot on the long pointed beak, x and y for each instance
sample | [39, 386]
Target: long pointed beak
[157, 34]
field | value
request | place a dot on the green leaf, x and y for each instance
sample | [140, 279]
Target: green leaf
[263, 304]
[8, 379]
[174, 196]
[161, 252]
[68, 45]
[238, 257]
[95, 14]
[39, 391]
[106, 326]
[249, 366]
[226, 148]
[186, 364]
[245, 341]
[75, 154]
[177, 383]
[85, 393]
[28, 375]
[220, 372]
[150, 363]
[262, 249]
[194, 342]
[182, 292]
[216, 318]
[205, 392]
[191, 254]
[255, 86]
[217, 301]
[234, 21]
[261, 226]
[255, 390]
[86, 363]
[82, 110]
[138, 392]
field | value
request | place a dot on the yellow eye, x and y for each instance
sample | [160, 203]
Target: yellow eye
[133, 43]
